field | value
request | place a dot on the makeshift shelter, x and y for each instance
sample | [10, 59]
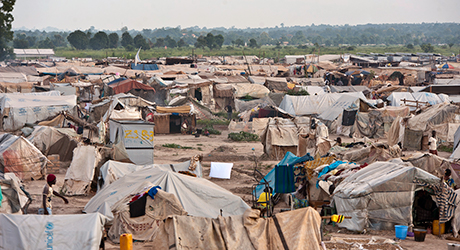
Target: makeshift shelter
[308, 105]
[133, 139]
[356, 102]
[80, 174]
[438, 114]
[19, 109]
[276, 84]
[52, 141]
[19, 156]
[244, 105]
[299, 229]
[114, 170]
[13, 199]
[169, 119]
[279, 137]
[76, 231]
[242, 90]
[134, 87]
[152, 214]
[198, 196]
[376, 123]
[380, 195]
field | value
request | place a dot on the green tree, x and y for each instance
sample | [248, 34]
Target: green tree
[126, 39]
[253, 43]
[160, 42]
[239, 42]
[169, 42]
[219, 40]
[78, 39]
[99, 41]
[113, 40]
[45, 44]
[410, 46]
[139, 41]
[427, 47]
[200, 42]
[210, 41]
[58, 41]
[19, 43]
[6, 35]
[181, 43]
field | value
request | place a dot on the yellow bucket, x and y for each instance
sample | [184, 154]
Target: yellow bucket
[437, 226]
[126, 242]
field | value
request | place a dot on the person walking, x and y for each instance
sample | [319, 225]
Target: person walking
[229, 110]
[47, 193]
[432, 143]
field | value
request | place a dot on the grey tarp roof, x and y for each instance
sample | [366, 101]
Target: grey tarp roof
[380, 193]
[198, 196]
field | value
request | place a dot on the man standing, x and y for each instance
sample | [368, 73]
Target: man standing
[229, 111]
[432, 143]
[47, 193]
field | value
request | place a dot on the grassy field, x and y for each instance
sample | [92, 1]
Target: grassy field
[264, 51]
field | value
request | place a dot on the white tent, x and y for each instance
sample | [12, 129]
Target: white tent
[431, 98]
[114, 170]
[350, 101]
[80, 174]
[14, 199]
[396, 98]
[198, 196]
[19, 109]
[78, 231]
[380, 194]
[308, 105]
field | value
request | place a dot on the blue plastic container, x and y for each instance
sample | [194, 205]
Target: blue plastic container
[401, 231]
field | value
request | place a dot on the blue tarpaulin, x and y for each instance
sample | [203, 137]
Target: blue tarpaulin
[141, 66]
[117, 80]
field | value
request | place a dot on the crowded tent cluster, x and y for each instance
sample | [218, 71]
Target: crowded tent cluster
[357, 141]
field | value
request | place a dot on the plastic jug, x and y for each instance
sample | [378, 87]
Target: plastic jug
[126, 242]
[437, 226]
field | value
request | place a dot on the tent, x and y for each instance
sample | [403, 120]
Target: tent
[19, 156]
[279, 137]
[19, 109]
[114, 170]
[198, 196]
[134, 87]
[134, 137]
[52, 141]
[299, 229]
[14, 200]
[435, 115]
[357, 101]
[78, 231]
[144, 227]
[80, 174]
[380, 195]
[247, 89]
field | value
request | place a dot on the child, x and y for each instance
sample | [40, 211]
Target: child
[432, 143]
[47, 192]
[448, 179]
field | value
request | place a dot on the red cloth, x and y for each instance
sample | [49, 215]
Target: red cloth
[127, 85]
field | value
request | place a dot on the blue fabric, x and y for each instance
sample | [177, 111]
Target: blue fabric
[1, 197]
[290, 159]
[270, 177]
[284, 179]
[117, 80]
[141, 66]
[333, 166]
[153, 191]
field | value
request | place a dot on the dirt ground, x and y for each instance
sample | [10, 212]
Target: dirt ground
[217, 148]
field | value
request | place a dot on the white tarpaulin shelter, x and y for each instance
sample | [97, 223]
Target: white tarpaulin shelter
[114, 170]
[19, 109]
[253, 90]
[198, 196]
[137, 138]
[76, 231]
[379, 194]
[308, 105]
[349, 101]
[80, 174]
[19, 156]
[396, 98]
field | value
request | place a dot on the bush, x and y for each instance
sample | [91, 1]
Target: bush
[243, 136]
[210, 122]
[300, 92]
[211, 130]
[174, 145]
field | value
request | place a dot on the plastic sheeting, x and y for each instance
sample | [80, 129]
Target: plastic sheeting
[82, 231]
[279, 132]
[242, 106]
[19, 156]
[81, 171]
[51, 141]
[12, 197]
[298, 229]
[379, 195]
[252, 90]
[437, 114]
[346, 101]
[19, 109]
[308, 105]
[198, 196]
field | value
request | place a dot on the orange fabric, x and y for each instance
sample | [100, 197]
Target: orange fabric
[127, 85]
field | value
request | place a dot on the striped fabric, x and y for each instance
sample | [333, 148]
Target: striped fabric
[311, 165]
[446, 198]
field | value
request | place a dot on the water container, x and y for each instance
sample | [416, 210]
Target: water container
[401, 232]
[419, 234]
[126, 242]
[437, 226]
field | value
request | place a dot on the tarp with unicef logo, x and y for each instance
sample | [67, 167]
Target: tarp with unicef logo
[77, 231]
[19, 109]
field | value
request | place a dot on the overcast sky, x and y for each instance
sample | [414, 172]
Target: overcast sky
[149, 14]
